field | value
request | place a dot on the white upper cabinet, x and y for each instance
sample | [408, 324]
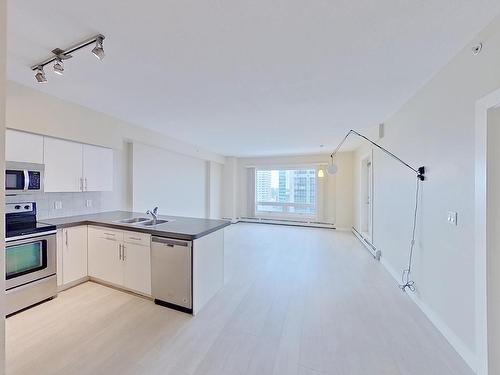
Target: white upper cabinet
[63, 165]
[97, 168]
[69, 166]
[23, 147]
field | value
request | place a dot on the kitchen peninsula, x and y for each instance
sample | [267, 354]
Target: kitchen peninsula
[177, 261]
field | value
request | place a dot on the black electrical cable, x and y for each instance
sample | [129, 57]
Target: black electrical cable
[406, 279]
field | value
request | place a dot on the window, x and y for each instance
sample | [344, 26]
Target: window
[281, 192]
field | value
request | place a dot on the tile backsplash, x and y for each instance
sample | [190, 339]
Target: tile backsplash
[70, 203]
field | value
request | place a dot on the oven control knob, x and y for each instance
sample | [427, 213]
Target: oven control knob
[26, 207]
[17, 207]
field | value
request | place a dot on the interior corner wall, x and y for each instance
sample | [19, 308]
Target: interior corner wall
[435, 128]
[215, 190]
[343, 194]
[229, 188]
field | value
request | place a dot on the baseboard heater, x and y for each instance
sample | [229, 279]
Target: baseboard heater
[290, 222]
[369, 246]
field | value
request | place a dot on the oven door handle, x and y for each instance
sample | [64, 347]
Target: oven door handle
[28, 236]
[26, 179]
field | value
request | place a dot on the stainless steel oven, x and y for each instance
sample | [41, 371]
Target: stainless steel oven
[30, 258]
[23, 177]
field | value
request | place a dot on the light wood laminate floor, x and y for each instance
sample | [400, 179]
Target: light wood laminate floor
[296, 301]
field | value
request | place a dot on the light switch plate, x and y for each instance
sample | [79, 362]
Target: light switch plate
[452, 217]
[57, 205]
[88, 203]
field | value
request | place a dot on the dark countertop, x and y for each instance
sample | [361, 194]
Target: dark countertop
[182, 228]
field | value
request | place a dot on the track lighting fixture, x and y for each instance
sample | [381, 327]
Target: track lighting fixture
[98, 50]
[59, 55]
[59, 67]
[40, 75]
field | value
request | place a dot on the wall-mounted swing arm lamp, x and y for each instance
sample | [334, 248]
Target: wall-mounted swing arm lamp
[407, 282]
[60, 55]
[332, 168]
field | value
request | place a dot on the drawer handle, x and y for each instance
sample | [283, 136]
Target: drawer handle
[135, 238]
[109, 234]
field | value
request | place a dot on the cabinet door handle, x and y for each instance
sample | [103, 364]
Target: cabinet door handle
[81, 183]
[66, 233]
[86, 189]
[120, 251]
[123, 253]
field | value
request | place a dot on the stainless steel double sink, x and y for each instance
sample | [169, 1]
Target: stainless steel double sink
[142, 221]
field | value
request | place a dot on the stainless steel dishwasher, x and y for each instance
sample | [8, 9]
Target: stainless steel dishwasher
[171, 273]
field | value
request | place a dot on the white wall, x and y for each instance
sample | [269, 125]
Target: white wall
[341, 210]
[335, 192]
[215, 190]
[54, 117]
[51, 116]
[180, 185]
[493, 239]
[3, 33]
[436, 129]
[229, 186]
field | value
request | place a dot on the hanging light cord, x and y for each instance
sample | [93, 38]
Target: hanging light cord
[406, 278]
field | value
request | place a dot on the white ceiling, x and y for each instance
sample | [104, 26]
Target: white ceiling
[242, 77]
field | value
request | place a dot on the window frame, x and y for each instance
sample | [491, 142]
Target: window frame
[287, 215]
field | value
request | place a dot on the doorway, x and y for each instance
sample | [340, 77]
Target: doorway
[487, 236]
[366, 198]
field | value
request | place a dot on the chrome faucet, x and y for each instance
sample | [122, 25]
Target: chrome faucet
[153, 213]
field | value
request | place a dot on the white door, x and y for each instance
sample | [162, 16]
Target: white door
[74, 254]
[369, 199]
[63, 165]
[97, 168]
[137, 271]
[23, 147]
[104, 257]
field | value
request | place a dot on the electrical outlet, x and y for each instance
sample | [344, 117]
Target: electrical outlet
[88, 203]
[452, 218]
[57, 205]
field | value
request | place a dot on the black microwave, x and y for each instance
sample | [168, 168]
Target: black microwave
[23, 177]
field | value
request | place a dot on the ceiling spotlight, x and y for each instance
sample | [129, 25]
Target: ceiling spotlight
[40, 75]
[98, 50]
[59, 67]
[60, 55]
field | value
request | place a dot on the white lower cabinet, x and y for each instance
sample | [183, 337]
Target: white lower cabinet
[120, 258]
[137, 272]
[73, 254]
[104, 249]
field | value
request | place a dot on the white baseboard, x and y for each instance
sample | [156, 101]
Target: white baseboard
[60, 288]
[468, 356]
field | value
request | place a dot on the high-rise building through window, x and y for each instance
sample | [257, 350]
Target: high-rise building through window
[285, 191]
